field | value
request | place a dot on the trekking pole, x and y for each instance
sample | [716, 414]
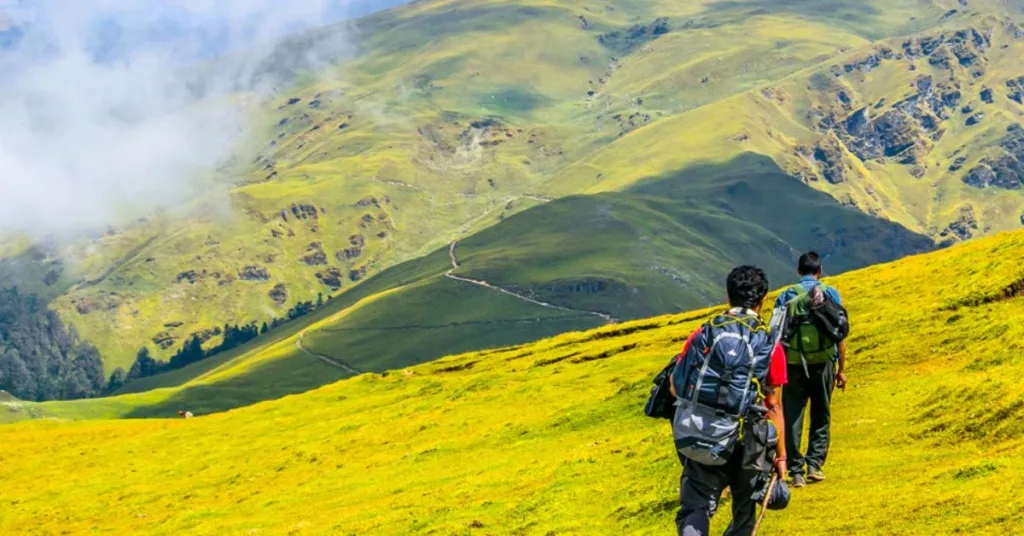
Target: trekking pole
[764, 504]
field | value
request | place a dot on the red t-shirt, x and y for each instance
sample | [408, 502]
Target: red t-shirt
[776, 368]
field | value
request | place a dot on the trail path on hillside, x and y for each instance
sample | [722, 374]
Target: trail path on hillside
[455, 265]
[324, 358]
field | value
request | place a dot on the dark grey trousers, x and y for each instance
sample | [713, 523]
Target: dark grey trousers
[814, 386]
[700, 489]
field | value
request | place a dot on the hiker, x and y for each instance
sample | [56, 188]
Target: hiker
[812, 358]
[726, 382]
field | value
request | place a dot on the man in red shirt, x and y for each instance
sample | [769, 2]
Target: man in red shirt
[701, 485]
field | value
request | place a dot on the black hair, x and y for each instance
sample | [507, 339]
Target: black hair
[747, 286]
[809, 264]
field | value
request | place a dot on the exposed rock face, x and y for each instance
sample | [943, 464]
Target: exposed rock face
[357, 273]
[975, 119]
[254, 273]
[279, 294]
[164, 340]
[964, 47]
[828, 155]
[102, 302]
[1005, 171]
[625, 41]
[301, 212]
[191, 276]
[987, 96]
[1015, 88]
[315, 255]
[52, 277]
[963, 227]
[331, 277]
[906, 131]
[372, 202]
[871, 62]
[889, 135]
[348, 253]
[958, 163]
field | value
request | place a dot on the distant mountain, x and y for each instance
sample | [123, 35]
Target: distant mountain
[449, 118]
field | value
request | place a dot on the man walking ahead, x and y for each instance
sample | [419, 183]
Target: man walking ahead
[812, 376]
[727, 381]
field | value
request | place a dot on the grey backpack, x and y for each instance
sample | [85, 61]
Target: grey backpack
[720, 377]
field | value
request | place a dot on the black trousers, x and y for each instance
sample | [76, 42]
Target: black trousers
[814, 385]
[700, 490]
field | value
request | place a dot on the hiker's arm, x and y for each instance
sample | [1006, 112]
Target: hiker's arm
[773, 401]
[777, 377]
[679, 362]
[841, 374]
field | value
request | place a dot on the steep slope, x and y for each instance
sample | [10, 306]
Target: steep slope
[571, 264]
[449, 116]
[549, 437]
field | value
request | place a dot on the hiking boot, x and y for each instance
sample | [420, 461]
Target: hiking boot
[815, 475]
[798, 481]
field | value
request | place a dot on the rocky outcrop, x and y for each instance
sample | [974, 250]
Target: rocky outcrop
[870, 62]
[1005, 171]
[829, 157]
[372, 202]
[254, 272]
[958, 163]
[963, 227]
[1015, 89]
[315, 255]
[279, 294]
[102, 302]
[905, 131]
[191, 276]
[331, 277]
[628, 40]
[164, 340]
[302, 212]
[357, 273]
[51, 277]
[964, 47]
[348, 254]
[987, 96]
[975, 119]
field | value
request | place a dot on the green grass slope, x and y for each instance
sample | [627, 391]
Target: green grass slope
[568, 265]
[450, 116]
[550, 437]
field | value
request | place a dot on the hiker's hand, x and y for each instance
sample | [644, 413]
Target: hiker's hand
[841, 380]
[780, 467]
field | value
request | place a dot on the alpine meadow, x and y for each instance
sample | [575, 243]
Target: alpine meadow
[412, 266]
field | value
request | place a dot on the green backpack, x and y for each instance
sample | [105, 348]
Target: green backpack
[804, 341]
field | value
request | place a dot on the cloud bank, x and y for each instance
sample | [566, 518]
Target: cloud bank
[111, 108]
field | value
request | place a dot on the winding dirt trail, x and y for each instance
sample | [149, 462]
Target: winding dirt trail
[326, 359]
[455, 265]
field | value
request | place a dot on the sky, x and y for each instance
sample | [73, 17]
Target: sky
[99, 121]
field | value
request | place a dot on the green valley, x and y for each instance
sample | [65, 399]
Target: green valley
[587, 156]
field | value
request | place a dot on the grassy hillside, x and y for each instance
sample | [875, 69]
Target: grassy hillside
[451, 116]
[568, 265]
[549, 437]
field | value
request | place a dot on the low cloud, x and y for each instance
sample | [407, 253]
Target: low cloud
[112, 108]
